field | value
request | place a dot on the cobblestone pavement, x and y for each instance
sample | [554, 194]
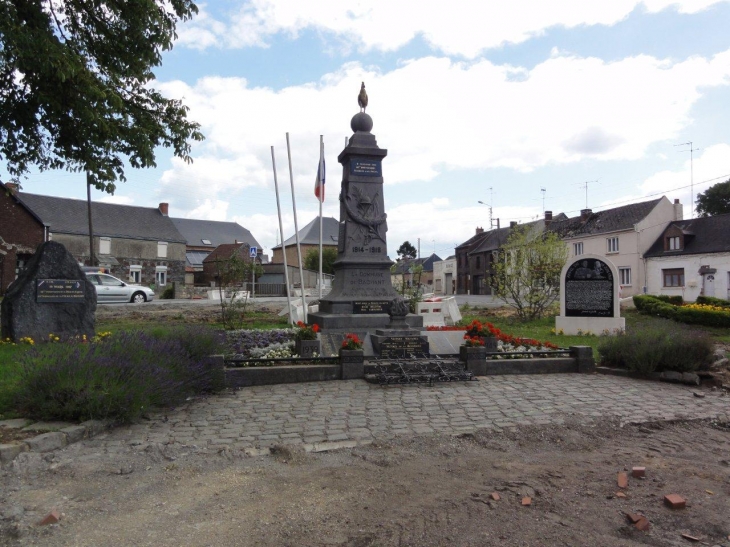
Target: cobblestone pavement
[345, 413]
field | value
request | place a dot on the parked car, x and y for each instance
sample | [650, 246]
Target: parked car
[110, 289]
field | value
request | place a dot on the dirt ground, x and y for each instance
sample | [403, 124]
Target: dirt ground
[411, 491]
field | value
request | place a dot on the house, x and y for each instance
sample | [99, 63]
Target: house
[444, 276]
[308, 239]
[138, 244]
[691, 258]
[461, 254]
[212, 263]
[21, 231]
[202, 237]
[622, 234]
[402, 272]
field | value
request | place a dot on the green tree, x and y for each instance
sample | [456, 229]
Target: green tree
[715, 200]
[232, 275]
[406, 250]
[75, 88]
[527, 271]
[329, 255]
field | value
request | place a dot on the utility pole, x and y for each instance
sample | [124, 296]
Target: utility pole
[419, 247]
[691, 176]
[543, 190]
[92, 261]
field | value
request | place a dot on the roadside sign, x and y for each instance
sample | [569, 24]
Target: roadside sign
[253, 252]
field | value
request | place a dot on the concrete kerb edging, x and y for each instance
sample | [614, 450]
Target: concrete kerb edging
[53, 440]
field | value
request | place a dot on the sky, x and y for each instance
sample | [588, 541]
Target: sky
[524, 106]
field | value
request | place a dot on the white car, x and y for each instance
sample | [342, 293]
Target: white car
[110, 289]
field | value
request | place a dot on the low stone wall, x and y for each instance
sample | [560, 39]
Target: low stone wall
[287, 374]
[547, 365]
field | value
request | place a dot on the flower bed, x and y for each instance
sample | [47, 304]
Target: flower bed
[505, 342]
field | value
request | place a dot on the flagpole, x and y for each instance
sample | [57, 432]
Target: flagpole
[281, 231]
[321, 199]
[296, 231]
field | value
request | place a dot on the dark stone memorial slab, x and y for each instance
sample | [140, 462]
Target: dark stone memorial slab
[589, 289]
[394, 347]
[51, 295]
[370, 306]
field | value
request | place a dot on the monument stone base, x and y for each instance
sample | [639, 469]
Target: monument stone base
[399, 343]
[344, 321]
[593, 325]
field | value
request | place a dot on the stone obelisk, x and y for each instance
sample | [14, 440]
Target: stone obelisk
[362, 290]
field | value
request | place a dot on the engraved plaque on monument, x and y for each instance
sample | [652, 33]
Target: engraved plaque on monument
[362, 288]
[589, 301]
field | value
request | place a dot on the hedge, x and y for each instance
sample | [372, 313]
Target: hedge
[712, 301]
[653, 305]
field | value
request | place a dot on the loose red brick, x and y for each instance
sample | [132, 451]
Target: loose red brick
[51, 518]
[675, 501]
[495, 496]
[643, 524]
[526, 501]
[638, 472]
[623, 480]
[634, 517]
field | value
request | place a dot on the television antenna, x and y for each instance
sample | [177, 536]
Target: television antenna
[691, 175]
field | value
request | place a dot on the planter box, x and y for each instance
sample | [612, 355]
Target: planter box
[475, 359]
[353, 363]
[307, 348]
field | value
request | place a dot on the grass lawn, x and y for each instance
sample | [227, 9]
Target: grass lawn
[9, 378]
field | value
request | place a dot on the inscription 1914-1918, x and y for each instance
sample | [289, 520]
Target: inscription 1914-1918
[589, 289]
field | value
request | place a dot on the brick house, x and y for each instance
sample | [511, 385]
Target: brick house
[212, 263]
[461, 254]
[401, 272]
[308, 239]
[137, 244]
[21, 231]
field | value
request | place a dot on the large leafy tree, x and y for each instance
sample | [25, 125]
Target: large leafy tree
[75, 86]
[407, 250]
[527, 271]
[715, 200]
[329, 255]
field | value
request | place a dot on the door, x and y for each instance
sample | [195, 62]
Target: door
[113, 289]
[448, 284]
[709, 285]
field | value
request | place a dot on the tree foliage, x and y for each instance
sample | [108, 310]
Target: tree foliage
[406, 250]
[527, 271]
[715, 200]
[75, 86]
[232, 275]
[329, 255]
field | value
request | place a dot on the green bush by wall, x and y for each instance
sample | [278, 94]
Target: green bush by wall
[654, 305]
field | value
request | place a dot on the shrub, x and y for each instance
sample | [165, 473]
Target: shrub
[655, 350]
[118, 378]
[712, 301]
[654, 305]
[168, 293]
[242, 342]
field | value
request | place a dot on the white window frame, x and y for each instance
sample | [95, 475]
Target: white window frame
[624, 275]
[674, 243]
[611, 245]
[135, 273]
[161, 276]
[578, 248]
[105, 245]
[162, 249]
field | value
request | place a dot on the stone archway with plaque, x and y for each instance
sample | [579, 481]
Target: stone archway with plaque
[589, 297]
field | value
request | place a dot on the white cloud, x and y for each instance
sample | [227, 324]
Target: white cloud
[117, 199]
[434, 114]
[463, 27]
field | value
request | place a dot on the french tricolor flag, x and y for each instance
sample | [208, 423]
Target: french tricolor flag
[319, 183]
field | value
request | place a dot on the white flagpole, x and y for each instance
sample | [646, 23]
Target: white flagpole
[320, 175]
[296, 231]
[281, 231]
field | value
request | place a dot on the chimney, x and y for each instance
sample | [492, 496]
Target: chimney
[479, 230]
[163, 208]
[512, 223]
[548, 217]
[12, 187]
[585, 214]
[678, 210]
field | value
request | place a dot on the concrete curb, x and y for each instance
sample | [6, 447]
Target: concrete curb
[53, 440]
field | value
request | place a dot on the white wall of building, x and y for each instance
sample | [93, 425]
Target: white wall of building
[444, 276]
[694, 282]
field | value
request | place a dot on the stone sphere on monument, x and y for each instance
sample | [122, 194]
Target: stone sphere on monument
[361, 122]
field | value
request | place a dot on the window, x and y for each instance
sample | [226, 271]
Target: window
[479, 262]
[206, 242]
[624, 275]
[673, 278]
[105, 245]
[578, 248]
[612, 245]
[161, 249]
[673, 243]
[161, 276]
[135, 273]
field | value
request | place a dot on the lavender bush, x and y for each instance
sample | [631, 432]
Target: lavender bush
[118, 378]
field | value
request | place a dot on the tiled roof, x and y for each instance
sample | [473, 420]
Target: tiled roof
[427, 262]
[600, 222]
[701, 235]
[70, 216]
[226, 250]
[195, 231]
[309, 235]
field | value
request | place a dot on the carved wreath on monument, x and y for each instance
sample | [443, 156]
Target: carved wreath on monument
[363, 210]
